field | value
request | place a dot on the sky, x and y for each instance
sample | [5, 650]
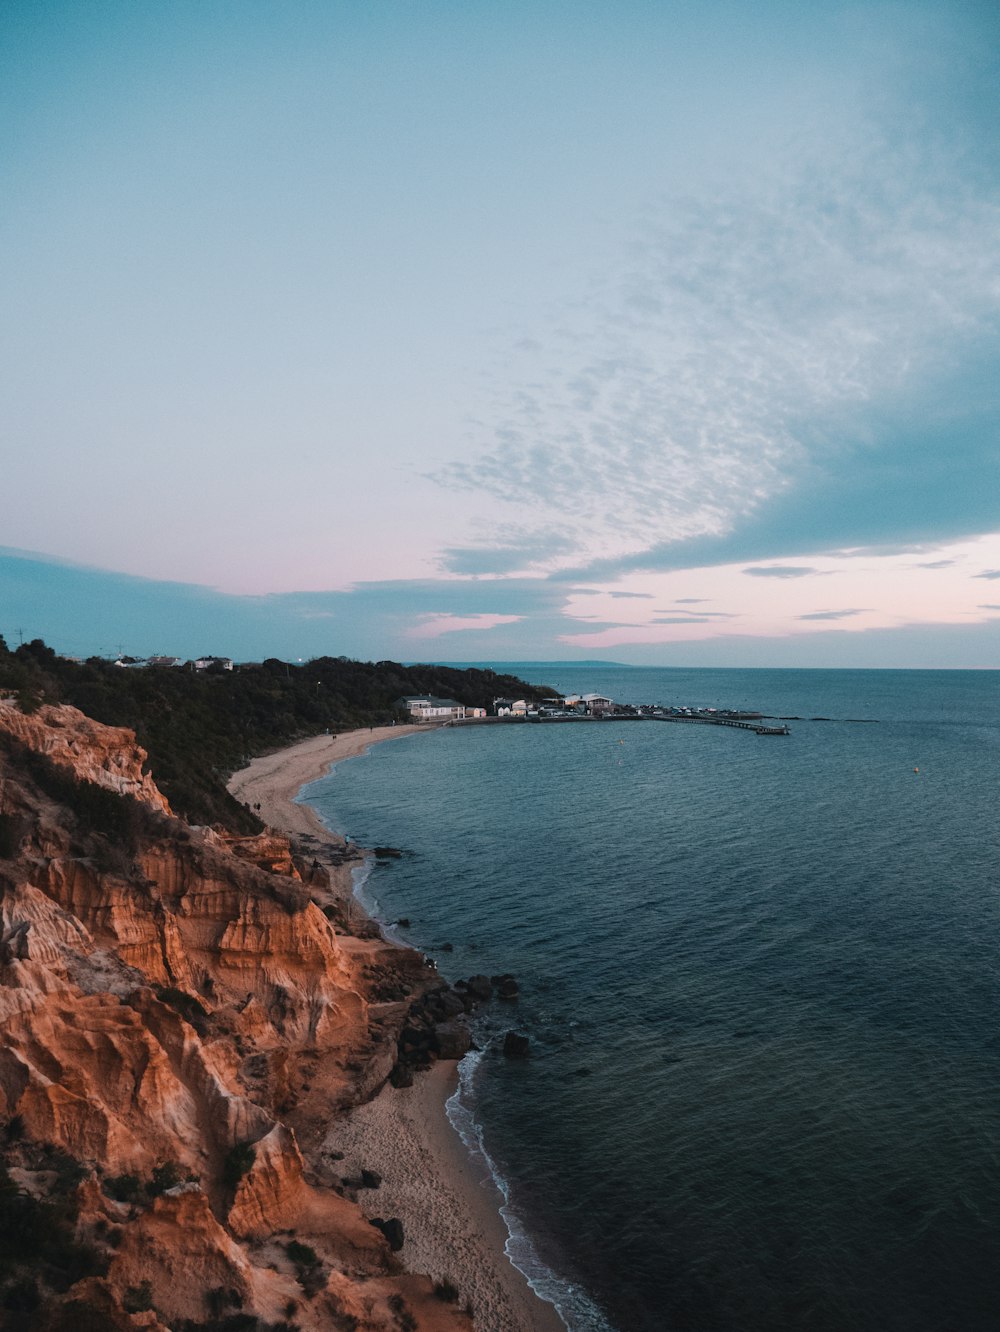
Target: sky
[662, 333]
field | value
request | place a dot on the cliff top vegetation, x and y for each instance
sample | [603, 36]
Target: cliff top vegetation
[199, 726]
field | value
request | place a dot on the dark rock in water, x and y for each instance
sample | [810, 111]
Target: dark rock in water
[480, 988]
[392, 1230]
[507, 988]
[447, 948]
[404, 922]
[401, 1076]
[388, 852]
[453, 1040]
[582, 1072]
[516, 1046]
[370, 1179]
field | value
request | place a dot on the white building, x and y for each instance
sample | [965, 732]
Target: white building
[510, 707]
[425, 707]
[596, 704]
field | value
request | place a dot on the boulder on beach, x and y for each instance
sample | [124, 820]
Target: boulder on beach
[449, 1004]
[453, 1040]
[392, 1230]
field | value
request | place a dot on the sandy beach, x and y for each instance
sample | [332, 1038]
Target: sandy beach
[273, 781]
[447, 1202]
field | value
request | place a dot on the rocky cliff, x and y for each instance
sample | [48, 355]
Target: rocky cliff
[181, 1016]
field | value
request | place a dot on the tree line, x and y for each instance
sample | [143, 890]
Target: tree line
[200, 726]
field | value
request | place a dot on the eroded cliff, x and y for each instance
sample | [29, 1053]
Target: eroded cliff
[181, 1014]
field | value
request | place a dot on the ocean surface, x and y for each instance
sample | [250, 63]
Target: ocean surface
[760, 976]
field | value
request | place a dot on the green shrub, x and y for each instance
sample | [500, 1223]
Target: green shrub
[123, 1188]
[301, 1254]
[37, 1238]
[68, 1170]
[22, 1296]
[238, 1161]
[14, 1128]
[221, 1298]
[11, 833]
[166, 1176]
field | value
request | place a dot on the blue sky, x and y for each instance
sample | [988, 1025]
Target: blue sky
[469, 331]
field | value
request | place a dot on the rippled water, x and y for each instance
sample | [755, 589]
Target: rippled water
[760, 976]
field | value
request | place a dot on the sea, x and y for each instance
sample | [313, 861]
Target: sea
[761, 982]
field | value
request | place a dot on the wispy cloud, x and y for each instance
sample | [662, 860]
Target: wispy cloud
[831, 614]
[509, 549]
[701, 614]
[433, 626]
[765, 343]
[781, 571]
[988, 573]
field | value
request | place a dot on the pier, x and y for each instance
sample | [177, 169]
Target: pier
[746, 722]
[700, 719]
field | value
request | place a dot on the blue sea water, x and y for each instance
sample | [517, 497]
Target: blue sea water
[760, 977]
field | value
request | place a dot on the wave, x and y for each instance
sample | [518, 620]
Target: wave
[577, 1311]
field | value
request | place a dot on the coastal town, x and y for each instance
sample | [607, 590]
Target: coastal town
[435, 710]
[578, 708]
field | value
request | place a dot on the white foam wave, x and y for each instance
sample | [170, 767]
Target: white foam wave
[577, 1311]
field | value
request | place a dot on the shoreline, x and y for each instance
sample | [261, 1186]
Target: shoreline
[446, 1199]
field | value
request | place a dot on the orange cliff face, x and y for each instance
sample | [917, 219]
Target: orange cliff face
[181, 1019]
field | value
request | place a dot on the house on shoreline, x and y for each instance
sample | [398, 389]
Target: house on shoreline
[426, 707]
[596, 705]
[510, 707]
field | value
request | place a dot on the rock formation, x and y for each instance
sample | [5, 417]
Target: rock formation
[180, 1020]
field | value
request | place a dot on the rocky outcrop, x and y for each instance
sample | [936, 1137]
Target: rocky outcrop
[108, 756]
[180, 1019]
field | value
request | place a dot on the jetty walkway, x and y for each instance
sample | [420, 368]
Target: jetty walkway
[646, 713]
[757, 727]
